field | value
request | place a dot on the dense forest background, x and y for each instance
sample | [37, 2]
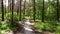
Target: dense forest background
[50, 11]
[45, 14]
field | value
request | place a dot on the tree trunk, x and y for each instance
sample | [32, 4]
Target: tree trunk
[20, 10]
[43, 12]
[57, 10]
[34, 10]
[2, 10]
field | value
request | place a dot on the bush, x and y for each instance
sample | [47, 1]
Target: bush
[3, 27]
[13, 25]
[58, 29]
[47, 26]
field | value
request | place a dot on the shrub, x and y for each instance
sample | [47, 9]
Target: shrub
[13, 25]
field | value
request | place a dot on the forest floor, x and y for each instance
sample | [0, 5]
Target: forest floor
[45, 32]
[21, 31]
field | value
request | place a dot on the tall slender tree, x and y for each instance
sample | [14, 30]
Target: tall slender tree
[2, 10]
[24, 6]
[20, 10]
[57, 10]
[10, 6]
[43, 12]
[12, 9]
[5, 8]
[34, 10]
[17, 10]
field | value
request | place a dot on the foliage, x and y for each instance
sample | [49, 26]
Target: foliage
[3, 27]
[47, 26]
[50, 15]
[13, 24]
[8, 25]
[58, 29]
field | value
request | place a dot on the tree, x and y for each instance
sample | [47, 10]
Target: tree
[12, 9]
[34, 10]
[24, 6]
[20, 10]
[57, 10]
[43, 12]
[2, 10]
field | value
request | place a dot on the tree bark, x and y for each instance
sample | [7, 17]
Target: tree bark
[24, 7]
[57, 10]
[2, 10]
[34, 10]
[43, 12]
[20, 10]
[12, 11]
